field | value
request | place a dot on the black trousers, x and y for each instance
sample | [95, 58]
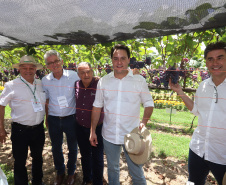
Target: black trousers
[23, 137]
[92, 157]
[199, 168]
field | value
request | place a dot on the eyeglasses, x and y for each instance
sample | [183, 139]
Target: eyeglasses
[216, 94]
[55, 62]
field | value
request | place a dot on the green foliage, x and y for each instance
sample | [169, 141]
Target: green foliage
[8, 172]
[164, 51]
[30, 50]
[7, 112]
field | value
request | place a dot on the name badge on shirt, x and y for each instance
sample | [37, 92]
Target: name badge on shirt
[37, 106]
[62, 102]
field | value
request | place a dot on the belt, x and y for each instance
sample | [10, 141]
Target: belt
[27, 126]
[63, 117]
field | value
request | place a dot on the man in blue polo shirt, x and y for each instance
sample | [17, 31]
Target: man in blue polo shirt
[60, 114]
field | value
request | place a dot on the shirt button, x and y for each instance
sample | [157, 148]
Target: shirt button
[82, 119]
[84, 96]
[83, 104]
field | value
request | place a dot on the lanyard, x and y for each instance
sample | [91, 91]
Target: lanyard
[31, 89]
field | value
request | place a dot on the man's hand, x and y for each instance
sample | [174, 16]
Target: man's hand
[141, 125]
[3, 135]
[96, 111]
[136, 71]
[93, 139]
[175, 87]
[97, 78]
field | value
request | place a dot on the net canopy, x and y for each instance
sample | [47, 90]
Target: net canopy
[48, 22]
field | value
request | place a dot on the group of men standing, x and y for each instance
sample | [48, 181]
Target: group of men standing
[66, 98]
[97, 113]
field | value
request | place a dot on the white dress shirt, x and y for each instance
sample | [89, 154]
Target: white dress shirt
[209, 138]
[121, 99]
[55, 88]
[19, 97]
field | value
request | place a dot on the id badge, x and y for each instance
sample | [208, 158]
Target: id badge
[36, 104]
[62, 101]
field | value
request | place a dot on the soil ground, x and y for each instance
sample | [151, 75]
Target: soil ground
[164, 171]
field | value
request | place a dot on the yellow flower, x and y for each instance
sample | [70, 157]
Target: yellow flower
[1, 88]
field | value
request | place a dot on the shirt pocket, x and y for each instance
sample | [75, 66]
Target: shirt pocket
[110, 95]
[131, 94]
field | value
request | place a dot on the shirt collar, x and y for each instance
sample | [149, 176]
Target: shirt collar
[129, 74]
[90, 85]
[51, 76]
[27, 81]
[65, 73]
[210, 81]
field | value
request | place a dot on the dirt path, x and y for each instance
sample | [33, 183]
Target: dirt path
[168, 171]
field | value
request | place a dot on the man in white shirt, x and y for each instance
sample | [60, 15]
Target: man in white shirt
[120, 93]
[208, 144]
[60, 114]
[26, 98]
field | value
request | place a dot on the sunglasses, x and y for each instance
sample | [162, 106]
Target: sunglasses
[216, 94]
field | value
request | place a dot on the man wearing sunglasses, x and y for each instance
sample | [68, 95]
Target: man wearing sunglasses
[208, 144]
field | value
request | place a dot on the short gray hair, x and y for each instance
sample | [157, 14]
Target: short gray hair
[85, 64]
[50, 53]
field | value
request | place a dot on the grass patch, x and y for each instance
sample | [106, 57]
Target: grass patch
[172, 129]
[180, 118]
[165, 145]
[8, 173]
[7, 112]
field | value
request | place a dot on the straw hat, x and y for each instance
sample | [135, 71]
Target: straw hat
[224, 180]
[27, 59]
[138, 145]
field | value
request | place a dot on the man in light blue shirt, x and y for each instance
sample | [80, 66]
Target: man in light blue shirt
[60, 114]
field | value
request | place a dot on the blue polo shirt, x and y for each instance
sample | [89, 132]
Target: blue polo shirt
[55, 88]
